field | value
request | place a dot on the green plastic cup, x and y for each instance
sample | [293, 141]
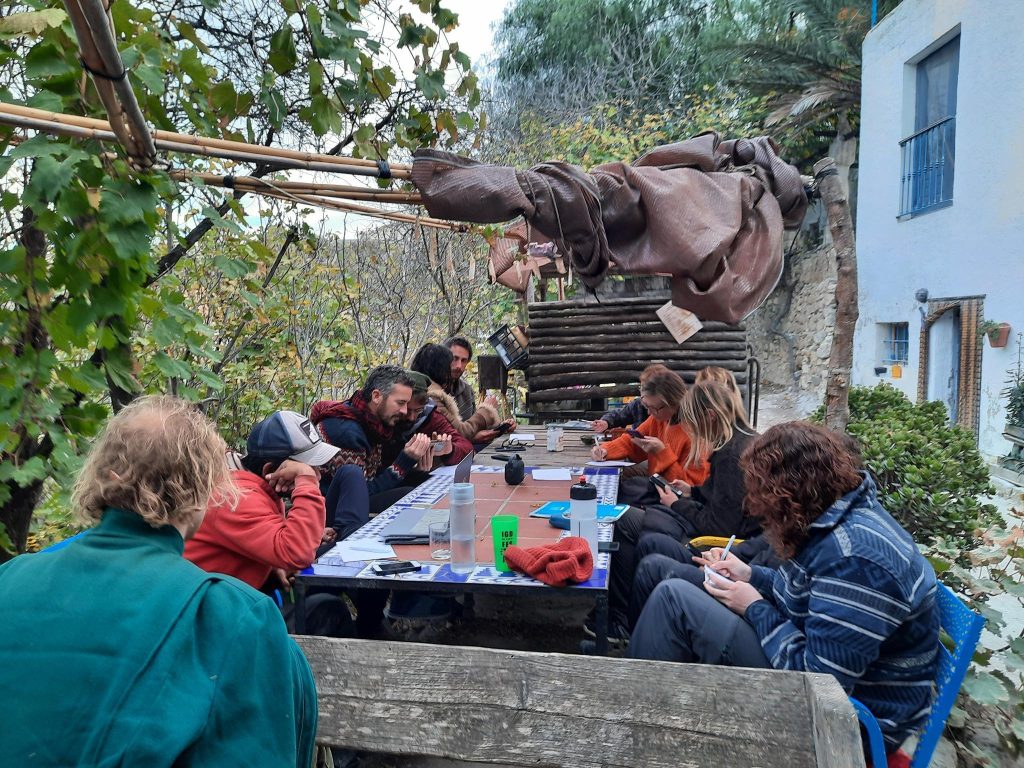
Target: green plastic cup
[505, 529]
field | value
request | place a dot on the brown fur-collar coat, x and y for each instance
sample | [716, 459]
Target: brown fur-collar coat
[483, 418]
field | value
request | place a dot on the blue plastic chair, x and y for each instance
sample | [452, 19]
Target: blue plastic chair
[964, 628]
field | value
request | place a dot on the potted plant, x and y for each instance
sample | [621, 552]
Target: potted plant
[1014, 394]
[998, 333]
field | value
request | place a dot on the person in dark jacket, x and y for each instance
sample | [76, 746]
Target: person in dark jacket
[717, 423]
[361, 425]
[633, 413]
[853, 597]
[425, 417]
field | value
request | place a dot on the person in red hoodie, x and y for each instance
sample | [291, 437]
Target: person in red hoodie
[257, 541]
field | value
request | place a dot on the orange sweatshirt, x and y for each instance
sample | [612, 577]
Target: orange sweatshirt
[670, 463]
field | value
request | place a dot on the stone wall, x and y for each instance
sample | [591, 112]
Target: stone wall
[791, 333]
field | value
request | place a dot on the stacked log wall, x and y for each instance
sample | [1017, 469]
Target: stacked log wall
[578, 345]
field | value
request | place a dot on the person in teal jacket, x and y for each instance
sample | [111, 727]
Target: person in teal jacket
[115, 650]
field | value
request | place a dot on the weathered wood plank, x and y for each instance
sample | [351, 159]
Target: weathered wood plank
[694, 362]
[682, 362]
[579, 378]
[534, 709]
[835, 726]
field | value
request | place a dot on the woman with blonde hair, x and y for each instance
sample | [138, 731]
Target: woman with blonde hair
[716, 420]
[661, 440]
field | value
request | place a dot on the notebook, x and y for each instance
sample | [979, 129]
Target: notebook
[412, 526]
[606, 513]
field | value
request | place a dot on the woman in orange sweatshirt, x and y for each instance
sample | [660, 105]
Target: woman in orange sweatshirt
[662, 441]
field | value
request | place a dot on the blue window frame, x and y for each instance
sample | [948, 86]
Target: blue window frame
[896, 344]
[928, 154]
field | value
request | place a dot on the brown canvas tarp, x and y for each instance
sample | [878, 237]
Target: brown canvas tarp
[707, 212]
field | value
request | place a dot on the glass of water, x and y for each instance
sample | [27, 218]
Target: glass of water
[440, 541]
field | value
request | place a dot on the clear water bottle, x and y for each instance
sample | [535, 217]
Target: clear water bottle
[463, 527]
[583, 513]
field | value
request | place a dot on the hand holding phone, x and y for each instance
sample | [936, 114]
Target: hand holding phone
[659, 481]
[502, 428]
[392, 567]
[635, 433]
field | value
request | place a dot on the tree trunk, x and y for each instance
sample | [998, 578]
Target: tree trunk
[840, 363]
[16, 512]
[16, 515]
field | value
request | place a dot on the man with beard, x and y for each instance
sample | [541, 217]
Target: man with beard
[361, 425]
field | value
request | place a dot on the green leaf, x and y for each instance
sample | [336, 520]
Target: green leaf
[986, 688]
[431, 84]
[232, 268]
[51, 177]
[46, 60]
[171, 368]
[291, 6]
[31, 22]
[276, 107]
[209, 378]
[130, 241]
[282, 51]
[126, 202]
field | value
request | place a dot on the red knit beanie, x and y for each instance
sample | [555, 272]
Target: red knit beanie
[567, 561]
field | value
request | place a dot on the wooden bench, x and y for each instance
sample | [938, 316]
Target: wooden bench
[546, 709]
[588, 348]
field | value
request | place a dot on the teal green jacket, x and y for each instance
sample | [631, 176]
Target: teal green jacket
[116, 651]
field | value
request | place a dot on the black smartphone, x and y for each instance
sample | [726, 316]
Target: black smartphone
[659, 481]
[502, 428]
[635, 433]
[391, 567]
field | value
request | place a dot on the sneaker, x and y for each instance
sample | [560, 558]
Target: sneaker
[618, 635]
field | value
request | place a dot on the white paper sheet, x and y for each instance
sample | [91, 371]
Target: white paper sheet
[446, 471]
[617, 463]
[523, 437]
[361, 549]
[562, 473]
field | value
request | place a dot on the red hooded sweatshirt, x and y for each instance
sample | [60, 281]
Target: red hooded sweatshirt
[248, 541]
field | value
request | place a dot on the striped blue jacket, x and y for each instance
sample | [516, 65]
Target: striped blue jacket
[856, 602]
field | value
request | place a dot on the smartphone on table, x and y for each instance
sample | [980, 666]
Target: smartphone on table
[392, 567]
[660, 481]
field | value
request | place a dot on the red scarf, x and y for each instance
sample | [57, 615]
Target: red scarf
[357, 408]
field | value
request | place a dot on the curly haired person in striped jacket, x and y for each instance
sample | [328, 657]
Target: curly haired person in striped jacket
[853, 597]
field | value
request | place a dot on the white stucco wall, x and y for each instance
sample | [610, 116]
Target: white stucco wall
[976, 245]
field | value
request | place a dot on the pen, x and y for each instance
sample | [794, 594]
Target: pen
[725, 552]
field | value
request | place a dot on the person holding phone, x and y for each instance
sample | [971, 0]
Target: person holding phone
[716, 421]
[853, 597]
[435, 361]
[661, 440]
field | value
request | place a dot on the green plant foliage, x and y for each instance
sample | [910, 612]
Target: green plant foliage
[92, 312]
[1014, 390]
[929, 473]
[988, 721]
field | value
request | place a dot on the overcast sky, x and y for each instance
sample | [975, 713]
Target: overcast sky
[476, 17]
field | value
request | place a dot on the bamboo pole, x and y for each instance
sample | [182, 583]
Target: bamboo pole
[94, 29]
[322, 202]
[342, 191]
[254, 153]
